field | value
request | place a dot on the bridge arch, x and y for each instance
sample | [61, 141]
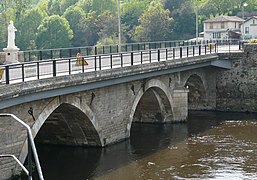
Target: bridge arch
[161, 96]
[197, 92]
[82, 129]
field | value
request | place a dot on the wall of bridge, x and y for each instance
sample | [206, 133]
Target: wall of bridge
[236, 88]
[103, 116]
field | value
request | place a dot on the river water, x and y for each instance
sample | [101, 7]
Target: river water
[211, 145]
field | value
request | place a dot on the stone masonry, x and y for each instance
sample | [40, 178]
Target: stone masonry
[236, 88]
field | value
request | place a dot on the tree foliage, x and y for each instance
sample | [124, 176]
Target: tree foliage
[154, 25]
[54, 32]
[96, 21]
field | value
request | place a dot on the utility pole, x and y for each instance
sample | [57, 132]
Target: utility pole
[119, 28]
[196, 22]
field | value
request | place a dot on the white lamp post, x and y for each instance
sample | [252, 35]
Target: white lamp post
[244, 5]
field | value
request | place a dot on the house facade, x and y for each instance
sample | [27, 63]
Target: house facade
[222, 28]
[249, 28]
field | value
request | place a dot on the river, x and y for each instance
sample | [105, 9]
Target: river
[211, 145]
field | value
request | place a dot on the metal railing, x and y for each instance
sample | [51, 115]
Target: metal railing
[21, 72]
[17, 160]
[36, 55]
[31, 147]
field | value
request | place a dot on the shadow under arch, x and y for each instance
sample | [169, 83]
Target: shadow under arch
[155, 93]
[81, 127]
[197, 92]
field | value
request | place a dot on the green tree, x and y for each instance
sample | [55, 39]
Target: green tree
[107, 24]
[154, 25]
[88, 26]
[99, 6]
[184, 21]
[75, 14]
[131, 11]
[27, 28]
[54, 32]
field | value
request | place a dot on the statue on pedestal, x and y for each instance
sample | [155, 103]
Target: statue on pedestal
[11, 36]
[11, 52]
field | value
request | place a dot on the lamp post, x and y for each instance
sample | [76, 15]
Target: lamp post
[196, 21]
[119, 26]
[244, 5]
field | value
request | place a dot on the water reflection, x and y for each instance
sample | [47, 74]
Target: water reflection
[207, 147]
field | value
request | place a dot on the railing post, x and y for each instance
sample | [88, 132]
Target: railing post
[103, 50]
[87, 51]
[187, 51]
[110, 48]
[158, 54]
[60, 53]
[174, 52]
[69, 66]
[200, 48]
[100, 64]
[117, 48]
[205, 48]
[132, 60]
[7, 75]
[54, 68]
[193, 50]
[126, 48]
[23, 72]
[38, 73]
[111, 60]
[70, 53]
[51, 54]
[150, 56]
[141, 57]
[40, 55]
[83, 64]
[29, 56]
[121, 60]
[181, 53]
[166, 54]
[95, 50]
[95, 64]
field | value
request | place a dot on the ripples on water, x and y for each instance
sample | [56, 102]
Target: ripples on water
[210, 146]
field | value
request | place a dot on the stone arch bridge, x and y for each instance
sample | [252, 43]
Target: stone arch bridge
[98, 108]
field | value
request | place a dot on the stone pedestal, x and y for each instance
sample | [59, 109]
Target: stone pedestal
[11, 55]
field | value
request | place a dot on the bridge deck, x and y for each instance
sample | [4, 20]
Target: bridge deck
[43, 88]
[28, 71]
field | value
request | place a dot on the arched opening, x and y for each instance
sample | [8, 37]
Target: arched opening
[153, 107]
[197, 93]
[68, 125]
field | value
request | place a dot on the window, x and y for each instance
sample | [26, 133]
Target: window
[211, 25]
[246, 30]
[216, 35]
[222, 25]
[235, 24]
[253, 21]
